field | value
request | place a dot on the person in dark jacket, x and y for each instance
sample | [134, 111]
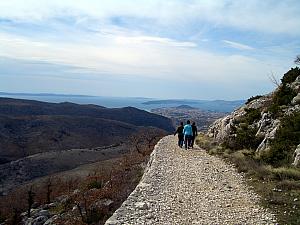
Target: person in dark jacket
[179, 131]
[195, 133]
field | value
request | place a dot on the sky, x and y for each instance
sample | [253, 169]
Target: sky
[192, 49]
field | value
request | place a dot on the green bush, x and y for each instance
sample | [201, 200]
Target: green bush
[252, 115]
[245, 139]
[286, 139]
[245, 134]
[283, 96]
[95, 184]
[290, 76]
[253, 98]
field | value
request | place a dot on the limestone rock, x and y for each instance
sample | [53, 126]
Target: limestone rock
[40, 220]
[297, 157]
[103, 202]
[296, 99]
[269, 135]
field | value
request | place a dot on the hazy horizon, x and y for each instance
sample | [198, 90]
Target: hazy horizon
[171, 49]
[2, 93]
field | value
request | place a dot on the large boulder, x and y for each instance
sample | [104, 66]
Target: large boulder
[222, 128]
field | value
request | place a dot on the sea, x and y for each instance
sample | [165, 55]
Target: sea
[119, 102]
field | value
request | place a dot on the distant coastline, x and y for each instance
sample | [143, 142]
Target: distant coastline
[44, 94]
[138, 102]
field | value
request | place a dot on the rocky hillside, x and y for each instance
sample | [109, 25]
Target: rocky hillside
[30, 127]
[268, 124]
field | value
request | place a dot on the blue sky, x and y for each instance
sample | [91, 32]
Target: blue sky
[165, 49]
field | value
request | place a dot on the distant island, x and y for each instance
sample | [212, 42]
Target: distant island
[207, 105]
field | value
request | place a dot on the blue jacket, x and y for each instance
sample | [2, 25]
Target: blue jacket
[187, 130]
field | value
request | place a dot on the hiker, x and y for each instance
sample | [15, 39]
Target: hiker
[195, 133]
[179, 131]
[188, 134]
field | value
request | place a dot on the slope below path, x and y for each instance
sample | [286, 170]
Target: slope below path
[190, 187]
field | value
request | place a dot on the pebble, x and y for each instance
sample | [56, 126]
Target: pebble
[190, 187]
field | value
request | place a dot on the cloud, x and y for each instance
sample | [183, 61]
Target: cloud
[153, 40]
[237, 45]
[169, 40]
[270, 16]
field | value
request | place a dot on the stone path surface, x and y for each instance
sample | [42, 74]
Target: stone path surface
[187, 187]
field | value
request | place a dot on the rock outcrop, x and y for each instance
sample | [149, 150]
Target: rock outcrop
[266, 125]
[297, 157]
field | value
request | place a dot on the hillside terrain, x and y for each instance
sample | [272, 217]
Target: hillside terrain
[30, 127]
[262, 138]
[183, 113]
[42, 141]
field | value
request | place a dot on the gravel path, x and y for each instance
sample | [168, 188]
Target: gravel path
[190, 187]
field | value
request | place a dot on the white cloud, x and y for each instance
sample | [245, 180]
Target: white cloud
[269, 16]
[140, 56]
[139, 38]
[237, 45]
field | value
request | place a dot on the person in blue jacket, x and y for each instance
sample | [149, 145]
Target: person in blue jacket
[188, 134]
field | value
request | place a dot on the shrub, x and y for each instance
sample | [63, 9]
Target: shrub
[204, 141]
[252, 115]
[290, 76]
[283, 96]
[286, 139]
[95, 184]
[284, 173]
[288, 185]
[245, 138]
[253, 98]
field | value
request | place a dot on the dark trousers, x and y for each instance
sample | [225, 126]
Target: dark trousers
[193, 141]
[180, 140]
[187, 141]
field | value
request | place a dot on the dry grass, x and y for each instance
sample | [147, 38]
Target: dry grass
[113, 179]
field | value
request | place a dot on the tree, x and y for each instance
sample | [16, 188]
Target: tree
[49, 190]
[30, 200]
[273, 79]
[297, 60]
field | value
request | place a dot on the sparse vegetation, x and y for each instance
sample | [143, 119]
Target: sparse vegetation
[113, 179]
[245, 134]
[290, 76]
[285, 142]
[252, 98]
[95, 184]
[30, 200]
[297, 60]
[284, 94]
